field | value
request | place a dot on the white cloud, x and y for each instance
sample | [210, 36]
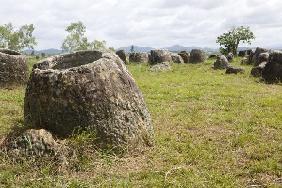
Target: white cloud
[156, 23]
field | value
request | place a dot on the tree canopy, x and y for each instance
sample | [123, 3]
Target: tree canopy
[17, 39]
[76, 39]
[230, 41]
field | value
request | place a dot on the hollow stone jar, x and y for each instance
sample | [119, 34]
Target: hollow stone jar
[13, 68]
[88, 90]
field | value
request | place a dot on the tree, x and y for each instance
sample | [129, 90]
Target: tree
[17, 39]
[230, 41]
[132, 49]
[26, 40]
[76, 39]
[98, 45]
[112, 49]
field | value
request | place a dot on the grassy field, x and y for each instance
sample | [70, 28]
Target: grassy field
[211, 129]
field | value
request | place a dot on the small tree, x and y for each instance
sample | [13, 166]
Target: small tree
[132, 49]
[76, 39]
[112, 49]
[98, 45]
[230, 41]
[17, 39]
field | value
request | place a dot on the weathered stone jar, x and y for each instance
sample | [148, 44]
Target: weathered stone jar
[272, 72]
[160, 56]
[138, 57]
[88, 90]
[13, 68]
[185, 56]
[122, 55]
[221, 62]
[197, 56]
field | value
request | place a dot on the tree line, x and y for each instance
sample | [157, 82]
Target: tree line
[76, 39]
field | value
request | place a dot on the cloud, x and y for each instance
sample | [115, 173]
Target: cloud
[156, 23]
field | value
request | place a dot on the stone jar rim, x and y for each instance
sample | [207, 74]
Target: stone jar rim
[10, 52]
[64, 62]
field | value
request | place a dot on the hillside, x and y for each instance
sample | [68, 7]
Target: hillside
[51, 51]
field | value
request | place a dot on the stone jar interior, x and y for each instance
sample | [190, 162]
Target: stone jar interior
[69, 60]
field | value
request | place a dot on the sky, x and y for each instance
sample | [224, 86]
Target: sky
[154, 23]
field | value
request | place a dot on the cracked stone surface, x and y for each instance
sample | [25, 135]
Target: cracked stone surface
[88, 90]
[272, 72]
[160, 56]
[13, 68]
[138, 57]
[197, 56]
[34, 143]
[221, 62]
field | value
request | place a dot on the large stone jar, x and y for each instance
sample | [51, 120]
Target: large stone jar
[13, 68]
[88, 90]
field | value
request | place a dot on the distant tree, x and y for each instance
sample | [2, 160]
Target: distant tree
[43, 55]
[132, 49]
[17, 39]
[32, 53]
[230, 41]
[112, 49]
[76, 39]
[98, 45]
[26, 39]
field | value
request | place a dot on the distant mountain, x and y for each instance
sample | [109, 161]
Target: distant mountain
[278, 48]
[178, 48]
[245, 48]
[48, 52]
[175, 48]
[136, 49]
[51, 51]
[254, 47]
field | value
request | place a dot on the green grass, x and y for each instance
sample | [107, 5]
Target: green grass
[211, 129]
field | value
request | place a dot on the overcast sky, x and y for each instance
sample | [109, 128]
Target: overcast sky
[155, 23]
